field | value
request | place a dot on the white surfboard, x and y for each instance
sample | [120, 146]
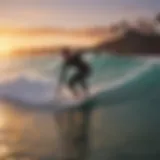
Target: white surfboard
[62, 102]
[66, 99]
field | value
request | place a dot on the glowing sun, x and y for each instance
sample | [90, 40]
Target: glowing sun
[6, 46]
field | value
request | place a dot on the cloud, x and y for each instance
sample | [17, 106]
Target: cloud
[72, 12]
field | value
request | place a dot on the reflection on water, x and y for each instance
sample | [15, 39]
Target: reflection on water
[36, 135]
[25, 133]
[117, 133]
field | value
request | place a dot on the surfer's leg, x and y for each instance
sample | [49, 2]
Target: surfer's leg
[72, 84]
[84, 84]
[81, 80]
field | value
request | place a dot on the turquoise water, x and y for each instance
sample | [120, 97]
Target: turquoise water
[124, 113]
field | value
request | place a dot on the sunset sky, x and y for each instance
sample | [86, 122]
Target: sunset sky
[65, 14]
[73, 13]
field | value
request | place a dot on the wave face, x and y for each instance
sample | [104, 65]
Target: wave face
[117, 80]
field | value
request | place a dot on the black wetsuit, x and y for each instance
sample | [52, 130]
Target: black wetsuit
[83, 71]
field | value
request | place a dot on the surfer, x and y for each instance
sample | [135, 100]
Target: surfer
[83, 71]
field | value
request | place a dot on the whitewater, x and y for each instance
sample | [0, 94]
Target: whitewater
[32, 81]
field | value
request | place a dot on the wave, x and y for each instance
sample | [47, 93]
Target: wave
[140, 91]
[27, 90]
[116, 80]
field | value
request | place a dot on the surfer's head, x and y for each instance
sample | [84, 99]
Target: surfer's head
[66, 53]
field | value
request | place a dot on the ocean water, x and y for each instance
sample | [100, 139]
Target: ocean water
[121, 120]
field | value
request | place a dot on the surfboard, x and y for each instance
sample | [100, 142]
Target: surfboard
[62, 102]
[66, 100]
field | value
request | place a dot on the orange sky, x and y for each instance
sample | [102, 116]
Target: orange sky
[11, 42]
[65, 14]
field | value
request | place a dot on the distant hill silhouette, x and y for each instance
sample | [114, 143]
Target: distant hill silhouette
[133, 41]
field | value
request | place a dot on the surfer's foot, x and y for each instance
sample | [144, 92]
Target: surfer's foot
[85, 93]
[75, 94]
[81, 94]
[78, 95]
